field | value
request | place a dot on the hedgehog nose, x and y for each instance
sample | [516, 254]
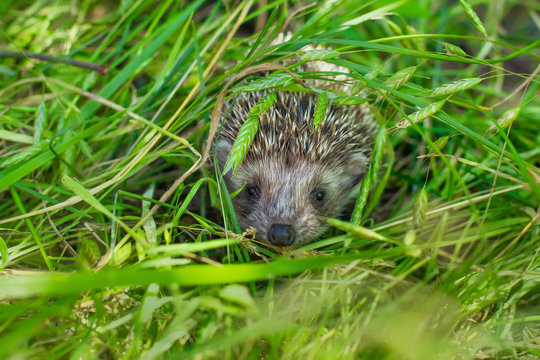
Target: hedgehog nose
[281, 235]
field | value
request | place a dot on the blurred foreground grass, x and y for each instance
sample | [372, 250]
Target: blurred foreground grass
[89, 270]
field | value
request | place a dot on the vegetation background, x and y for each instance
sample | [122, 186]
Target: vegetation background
[117, 239]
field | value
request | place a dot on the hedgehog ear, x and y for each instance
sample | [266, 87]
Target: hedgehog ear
[223, 148]
[356, 169]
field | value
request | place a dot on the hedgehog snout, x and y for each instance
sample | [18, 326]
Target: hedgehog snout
[281, 235]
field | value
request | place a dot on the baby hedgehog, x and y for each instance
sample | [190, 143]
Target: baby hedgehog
[295, 174]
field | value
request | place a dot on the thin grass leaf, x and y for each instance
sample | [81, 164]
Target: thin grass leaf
[379, 12]
[199, 62]
[347, 100]
[241, 145]
[263, 104]
[400, 78]
[43, 197]
[149, 225]
[234, 194]
[452, 49]
[173, 59]
[419, 43]
[409, 238]
[121, 254]
[420, 115]
[4, 70]
[506, 119]
[15, 137]
[393, 26]
[89, 251]
[361, 84]
[148, 52]
[377, 193]
[15, 173]
[41, 119]
[420, 208]
[494, 148]
[320, 109]
[488, 169]
[79, 190]
[319, 54]
[179, 327]
[179, 249]
[33, 231]
[151, 302]
[247, 133]
[397, 80]
[240, 295]
[4, 253]
[431, 55]
[24, 154]
[58, 283]
[456, 86]
[360, 211]
[361, 200]
[474, 18]
[356, 230]
[379, 143]
[269, 22]
[408, 242]
[187, 200]
[438, 144]
[271, 81]
[231, 220]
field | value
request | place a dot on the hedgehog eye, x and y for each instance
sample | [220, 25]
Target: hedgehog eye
[252, 190]
[319, 196]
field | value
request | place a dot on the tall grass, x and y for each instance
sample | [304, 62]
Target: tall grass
[118, 240]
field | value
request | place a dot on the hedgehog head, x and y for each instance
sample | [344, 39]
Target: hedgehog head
[295, 175]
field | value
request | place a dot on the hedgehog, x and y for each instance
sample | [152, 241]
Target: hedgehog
[296, 174]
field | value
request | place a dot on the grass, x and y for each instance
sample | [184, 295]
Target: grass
[117, 239]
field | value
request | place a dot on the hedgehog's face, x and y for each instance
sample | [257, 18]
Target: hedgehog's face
[287, 202]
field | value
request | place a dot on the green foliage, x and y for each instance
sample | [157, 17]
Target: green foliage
[400, 78]
[506, 119]
[319, 54]
[474, 17]
[96, 262]
[272, 81]
[320, 109]
[360, 85]
[453, 49]
[241, 145]
[247, 133]
[456, 86]
[420, 114]
[420, 208]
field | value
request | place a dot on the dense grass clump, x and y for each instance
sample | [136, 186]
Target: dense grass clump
[118, 240]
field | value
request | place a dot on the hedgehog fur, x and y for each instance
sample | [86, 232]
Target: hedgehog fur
[294, 175]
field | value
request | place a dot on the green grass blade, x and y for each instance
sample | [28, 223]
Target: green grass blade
[50, 284]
